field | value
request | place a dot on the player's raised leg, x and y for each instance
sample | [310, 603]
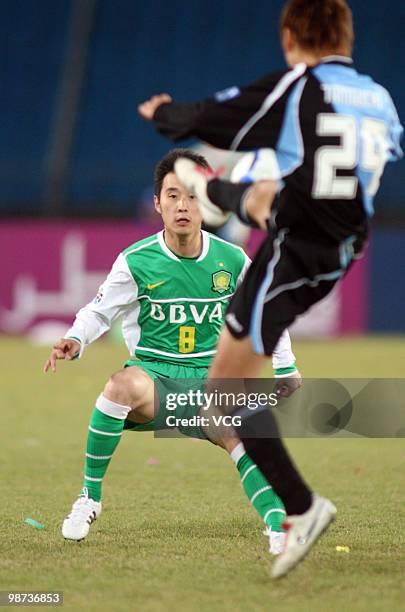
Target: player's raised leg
[127, 390]
[251, 202]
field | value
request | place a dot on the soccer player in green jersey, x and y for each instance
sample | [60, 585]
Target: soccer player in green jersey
[171, 290]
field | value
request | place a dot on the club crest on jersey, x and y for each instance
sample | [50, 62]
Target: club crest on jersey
[221, 281]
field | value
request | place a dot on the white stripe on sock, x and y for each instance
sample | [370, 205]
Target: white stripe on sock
[112, 409]
[92, 479]
[98, 456]
[238, 453]
[252, 467]
[259, 492]
[104, 433]
[271, 511]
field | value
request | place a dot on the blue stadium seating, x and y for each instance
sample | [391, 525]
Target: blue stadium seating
[32, 38]
[136, 49]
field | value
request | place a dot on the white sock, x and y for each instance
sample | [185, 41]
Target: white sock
[112, 409]
[238, 452]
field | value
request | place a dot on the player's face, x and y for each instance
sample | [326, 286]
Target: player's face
[178, 207]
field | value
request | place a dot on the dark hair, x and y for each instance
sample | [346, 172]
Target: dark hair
[167, 162]
[319, 25]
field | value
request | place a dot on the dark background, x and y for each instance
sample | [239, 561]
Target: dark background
[82, 66]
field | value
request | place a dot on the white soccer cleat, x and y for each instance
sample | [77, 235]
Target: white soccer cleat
[84, 512]
[195, 179]
[303, 530]
[277, 540]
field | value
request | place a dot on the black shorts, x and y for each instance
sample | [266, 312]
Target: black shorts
[287, 276]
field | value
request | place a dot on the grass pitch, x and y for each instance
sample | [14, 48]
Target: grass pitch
[178, 534]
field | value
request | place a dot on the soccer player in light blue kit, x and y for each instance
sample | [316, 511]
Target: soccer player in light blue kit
[323, 134]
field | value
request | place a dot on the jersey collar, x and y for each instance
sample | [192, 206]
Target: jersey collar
[165, 248]
[336, 59]
[205, 246]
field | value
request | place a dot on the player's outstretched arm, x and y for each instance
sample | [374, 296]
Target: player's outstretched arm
[66, 349]
[229, 119]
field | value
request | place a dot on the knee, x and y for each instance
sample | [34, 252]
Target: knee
[228, 443]
[125, 388]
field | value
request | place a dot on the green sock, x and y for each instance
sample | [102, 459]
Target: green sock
[104, 435]
[260, 494]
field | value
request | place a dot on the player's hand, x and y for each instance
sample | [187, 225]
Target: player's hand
[148, 108]
[66, 348]
[286, 386]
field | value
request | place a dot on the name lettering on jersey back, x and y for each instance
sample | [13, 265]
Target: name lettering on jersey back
[352, 96]
[180, 313]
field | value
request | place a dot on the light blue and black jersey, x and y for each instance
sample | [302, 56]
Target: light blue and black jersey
[332, 131]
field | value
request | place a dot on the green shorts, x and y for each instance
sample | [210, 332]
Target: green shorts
[170, 378]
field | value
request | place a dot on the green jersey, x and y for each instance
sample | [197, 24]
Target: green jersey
[172, 307]
[181, 301]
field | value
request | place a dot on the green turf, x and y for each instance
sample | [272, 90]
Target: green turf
[180, 535]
